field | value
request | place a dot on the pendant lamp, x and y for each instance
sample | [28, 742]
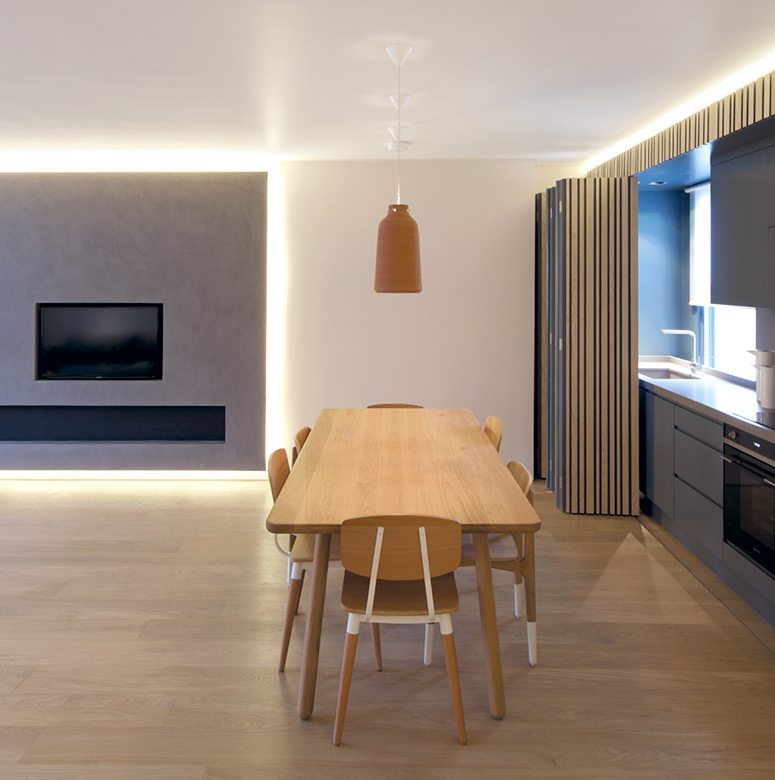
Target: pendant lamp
[398, 238]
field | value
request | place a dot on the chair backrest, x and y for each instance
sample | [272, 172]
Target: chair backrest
[394, 406]
[278, 471]
[494, 430]
[298, 442]
[524, 478]
[400, 551]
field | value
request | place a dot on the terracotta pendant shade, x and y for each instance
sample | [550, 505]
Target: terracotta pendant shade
[398, 253]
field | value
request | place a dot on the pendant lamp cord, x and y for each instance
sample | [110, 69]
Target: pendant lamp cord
[398, 145]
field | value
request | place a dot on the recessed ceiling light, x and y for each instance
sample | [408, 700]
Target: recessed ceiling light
[657, 183]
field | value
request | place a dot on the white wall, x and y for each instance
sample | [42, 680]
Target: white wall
[465, 341]
[547, 175]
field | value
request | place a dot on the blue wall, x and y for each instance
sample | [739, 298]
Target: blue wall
[663, 275]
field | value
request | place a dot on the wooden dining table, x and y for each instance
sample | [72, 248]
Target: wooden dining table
[359, 462]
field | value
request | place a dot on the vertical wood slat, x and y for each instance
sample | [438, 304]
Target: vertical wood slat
[540, 421]
[613, 344]
[551, 331]
[591, 309]
[750, 104]
[605, 326]
[595, 449]
[625, 357]
[560, 438]
[601, 414]
[565, 482]
[631, 294]
[572, 346]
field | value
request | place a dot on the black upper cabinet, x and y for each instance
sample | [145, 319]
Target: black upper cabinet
[743, 211]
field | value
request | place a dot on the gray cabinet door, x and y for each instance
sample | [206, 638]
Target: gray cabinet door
[699, 466]
[741, 211]
[656, 447]
[700, 518]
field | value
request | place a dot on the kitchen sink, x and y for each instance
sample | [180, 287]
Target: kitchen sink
[665, 373]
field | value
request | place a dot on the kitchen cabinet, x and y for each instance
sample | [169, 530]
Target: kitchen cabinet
[701, 519]
[682, 430]
[743, 211]
[699, 466]
[682, 472]
[699, 479]
[656, 450]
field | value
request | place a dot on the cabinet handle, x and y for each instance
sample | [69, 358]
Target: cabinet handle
[729, 460]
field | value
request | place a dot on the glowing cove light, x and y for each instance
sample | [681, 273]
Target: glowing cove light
[131, 160]
[183, 161]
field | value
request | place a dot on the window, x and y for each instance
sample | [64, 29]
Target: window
[726, 332]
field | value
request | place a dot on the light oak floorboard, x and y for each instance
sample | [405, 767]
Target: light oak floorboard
[140, 628]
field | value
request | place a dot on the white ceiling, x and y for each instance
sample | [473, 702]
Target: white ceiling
[310, 79]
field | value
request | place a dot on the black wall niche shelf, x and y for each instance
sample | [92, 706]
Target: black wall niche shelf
[112, 423]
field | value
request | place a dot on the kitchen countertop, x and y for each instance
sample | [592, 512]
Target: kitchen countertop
[717, 398]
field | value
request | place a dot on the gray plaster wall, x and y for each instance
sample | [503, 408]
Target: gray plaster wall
[195, 242]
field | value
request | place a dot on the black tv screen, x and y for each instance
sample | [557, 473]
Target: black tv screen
[99, 341]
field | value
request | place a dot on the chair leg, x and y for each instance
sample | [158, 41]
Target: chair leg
[377, 646]
[348, 662]
[428, 653]
[291, 540]
[450, 657]
[298, 595]
[519, 540]
[294, 594]
[519, 593]
[530, 598]
[532, 643]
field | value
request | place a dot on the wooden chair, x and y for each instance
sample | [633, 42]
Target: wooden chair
[298, 442]
[507, 553]
[299, 553]
[394, 406]
[494, 430]
[399, 569]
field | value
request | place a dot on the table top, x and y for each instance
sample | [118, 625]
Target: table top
[400, 461]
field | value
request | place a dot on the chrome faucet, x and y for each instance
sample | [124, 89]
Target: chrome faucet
[694, 343]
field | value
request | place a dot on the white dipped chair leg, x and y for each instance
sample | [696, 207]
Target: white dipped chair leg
[428, 654]
[519, 597]
[453, 674]
[348, 661]
[532, 645]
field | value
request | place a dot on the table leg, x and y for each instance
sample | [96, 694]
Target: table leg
[317, 597]
[492, 651]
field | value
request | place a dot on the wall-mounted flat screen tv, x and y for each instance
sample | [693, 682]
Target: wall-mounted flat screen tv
[99, 340]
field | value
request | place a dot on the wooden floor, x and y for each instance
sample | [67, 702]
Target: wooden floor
[140, 627]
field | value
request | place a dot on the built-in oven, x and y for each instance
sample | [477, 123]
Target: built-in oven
[749, 496]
